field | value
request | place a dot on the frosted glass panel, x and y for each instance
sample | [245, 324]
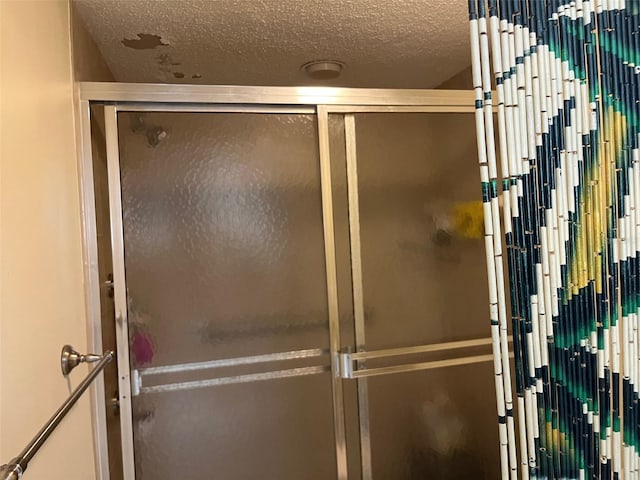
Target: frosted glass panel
[277, 429]
[224, 258]
[423, 261]
[223, 235]
[435, 424]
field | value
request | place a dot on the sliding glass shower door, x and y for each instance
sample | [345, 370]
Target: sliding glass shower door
[299, 293]
[226, 295]
[421, 357]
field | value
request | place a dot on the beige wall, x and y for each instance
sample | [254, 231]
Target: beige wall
[88, 63]
[41, 280]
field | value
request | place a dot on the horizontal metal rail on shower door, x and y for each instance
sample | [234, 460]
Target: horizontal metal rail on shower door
[252, 377]
[231, 362]
[350, 363]
[139, 385]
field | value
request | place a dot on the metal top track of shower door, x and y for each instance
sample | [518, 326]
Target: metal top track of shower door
[223, 94]
[215, 108]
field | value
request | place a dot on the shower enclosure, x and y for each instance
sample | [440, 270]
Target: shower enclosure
[293, 280]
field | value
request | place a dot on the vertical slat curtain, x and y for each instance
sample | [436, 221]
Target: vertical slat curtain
[557, 96]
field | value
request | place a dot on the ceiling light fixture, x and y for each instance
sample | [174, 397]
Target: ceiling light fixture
[323, 69]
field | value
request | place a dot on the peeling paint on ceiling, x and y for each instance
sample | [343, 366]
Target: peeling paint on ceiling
[384, 43]
[145, 41]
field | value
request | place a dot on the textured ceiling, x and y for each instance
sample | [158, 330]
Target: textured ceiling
[384, 43]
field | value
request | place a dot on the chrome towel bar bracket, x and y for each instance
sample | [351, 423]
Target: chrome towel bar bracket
[70, 359]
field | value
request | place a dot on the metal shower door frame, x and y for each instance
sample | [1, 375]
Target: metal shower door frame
[198, 98]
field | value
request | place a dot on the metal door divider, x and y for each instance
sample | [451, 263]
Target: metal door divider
[358, 295]
[339, 423]
[119, 290]
[92, 285]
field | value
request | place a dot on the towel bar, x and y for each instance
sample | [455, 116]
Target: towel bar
[16, 467]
